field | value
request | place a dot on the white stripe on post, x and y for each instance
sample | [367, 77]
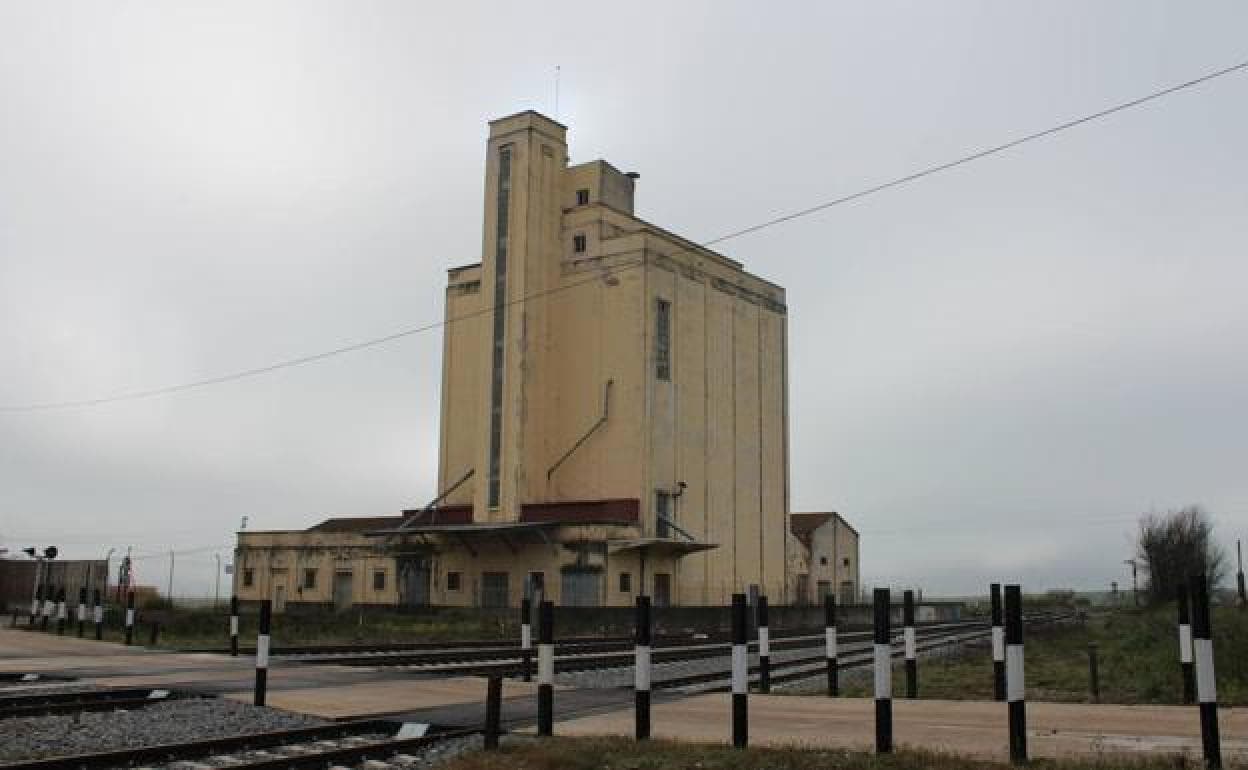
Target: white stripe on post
[641, 668]
[1185, 643]
[233, 625]
[130, 616]
[883, 671]
[262, 651]
[830, 642]
[740, 670]
[911, 646]
[99, 614]
[545, 664]
[764, 640]
[1014, 672]
[998, 643]
[526, 637]
[1206, 688]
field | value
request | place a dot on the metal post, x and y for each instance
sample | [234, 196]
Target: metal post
[82, 610]
[526, 639]
[234, 626]
[546, 669]
[37, 593]
[740, 674]
[911, 648]
[1206, 689]
[130, 618]
[49, 594]
[493, 711]
[998, 644]
[829, 632]
[1239, 575]
[1014, 680]
[764, 647]
[262, 651]
[641, 668]
[98, 617]
[1094, 682]
[1185, 647]
[883, 655]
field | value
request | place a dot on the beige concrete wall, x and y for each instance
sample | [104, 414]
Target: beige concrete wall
[278, 561]
[463, 379]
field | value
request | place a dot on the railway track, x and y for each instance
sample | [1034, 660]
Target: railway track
[43, 704]
[344, 743]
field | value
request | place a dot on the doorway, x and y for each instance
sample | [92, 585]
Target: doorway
[415, 576]
[494, 589]
[662, 589]
[342, 590]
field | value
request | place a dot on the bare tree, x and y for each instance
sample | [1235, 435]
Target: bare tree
[1176, 545]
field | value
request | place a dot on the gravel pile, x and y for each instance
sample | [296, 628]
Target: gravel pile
[175, 721]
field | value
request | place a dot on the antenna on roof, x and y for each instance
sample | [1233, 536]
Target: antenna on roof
[556, 92]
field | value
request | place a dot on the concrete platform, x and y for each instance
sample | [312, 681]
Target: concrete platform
[973, 728]
[373, 699]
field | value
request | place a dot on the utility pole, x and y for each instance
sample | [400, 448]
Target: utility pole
[1239, 576]
[170, 578]
[216, 598]
[1135, 581]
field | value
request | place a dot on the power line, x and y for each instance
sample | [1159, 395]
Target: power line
[375, 341]
[930, 170]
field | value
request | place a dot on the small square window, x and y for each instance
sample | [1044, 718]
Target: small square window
[309, 578]
[578, 244]
[249, 577]
[626, 582]
[379, 580]
[845, 561]
[453, 581]
[582, 197]
[823, 560]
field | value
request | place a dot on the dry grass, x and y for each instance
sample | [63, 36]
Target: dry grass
[624, 754]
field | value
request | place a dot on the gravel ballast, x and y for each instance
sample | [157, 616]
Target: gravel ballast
[175, 721]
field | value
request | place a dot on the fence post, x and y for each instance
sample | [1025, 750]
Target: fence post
[234, 626]
[911, 645]
[98, 616]
[493, 711]
[998, 644]
[1185, 647]
[262, 652]
[546, 668]
[1014, 680]
[526, 639]
[641, 668]
[764, 647]
[82, 611]
[829, 642]
[130, 618]
[1094, 682]
[60, 611]
[1206, 689]
[883, 658]
[740, 674]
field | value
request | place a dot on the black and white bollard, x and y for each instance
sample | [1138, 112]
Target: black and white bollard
[829, 643]
[740, 674]
[49, 606]
[641, 668]
[998, 644]
[1014, 680]
[234, 626]
[262, 652]
[764, 648]
[1185, 647]
[883, 659]
[35, 604]
[1206, 689]
[526, 639]
[546, 669]
[493, 711]
[130, 618]
[60, 612]
[82, 611]
[910, 644]
[98, 616]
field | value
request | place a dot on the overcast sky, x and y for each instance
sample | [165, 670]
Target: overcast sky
[994, 370]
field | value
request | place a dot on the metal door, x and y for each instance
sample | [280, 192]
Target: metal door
[414, 578]
[662, 589]
[342, 590]
[580, 588]
[494, 589]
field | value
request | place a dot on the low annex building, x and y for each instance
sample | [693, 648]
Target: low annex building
[614, 418]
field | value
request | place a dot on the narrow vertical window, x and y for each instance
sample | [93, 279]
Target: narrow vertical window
[578, 244]
[663, 340]
[500, 317]
[582, 197]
